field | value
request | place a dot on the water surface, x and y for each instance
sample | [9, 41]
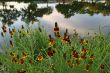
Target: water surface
[82, 22]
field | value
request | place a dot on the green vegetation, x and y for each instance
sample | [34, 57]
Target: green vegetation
[32, 51]
[75, 7]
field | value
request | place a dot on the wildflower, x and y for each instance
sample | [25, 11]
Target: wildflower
[51, 41]
[83, 56]
[83, 42]
[84, 50]
[12, 54]
[4, 28]
[66, 38]
[88, 33]
[56, 28]
[14, 30]
[19, 31]
[75, 54]
[66, 31]
[11, 44]
[24, 54]
[9, 30]
[50, 52]
[40, 29]
[33, 21]
[69, 63]
[17, 56]
[22, 61]
[95, 33]
[75, 32]
[1, 63]
[102, 66]
[2, 34]
[92, 57]
[30, 61]
[22, 27]
[87, 68]
[14, 59]
[52, 66]
[64, 56]
[39, 57]
[22, 71]
[58, 35]
[11, 33]
[77, 61]
[91, 61]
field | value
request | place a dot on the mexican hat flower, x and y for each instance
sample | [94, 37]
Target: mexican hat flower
[40, 58]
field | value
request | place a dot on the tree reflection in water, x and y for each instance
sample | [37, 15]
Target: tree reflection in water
[8, 16]
[32, 12]
[28, 14]
[75, 7]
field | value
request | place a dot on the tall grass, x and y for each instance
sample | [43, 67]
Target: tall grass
[36, 42]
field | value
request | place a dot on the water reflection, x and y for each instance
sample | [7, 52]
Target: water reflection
[75, 7]
[32, 12]
[29, 14]
[8, 16]
[83, 16]
[14, 18]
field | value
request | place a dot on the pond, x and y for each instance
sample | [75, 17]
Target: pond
[83, 16]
